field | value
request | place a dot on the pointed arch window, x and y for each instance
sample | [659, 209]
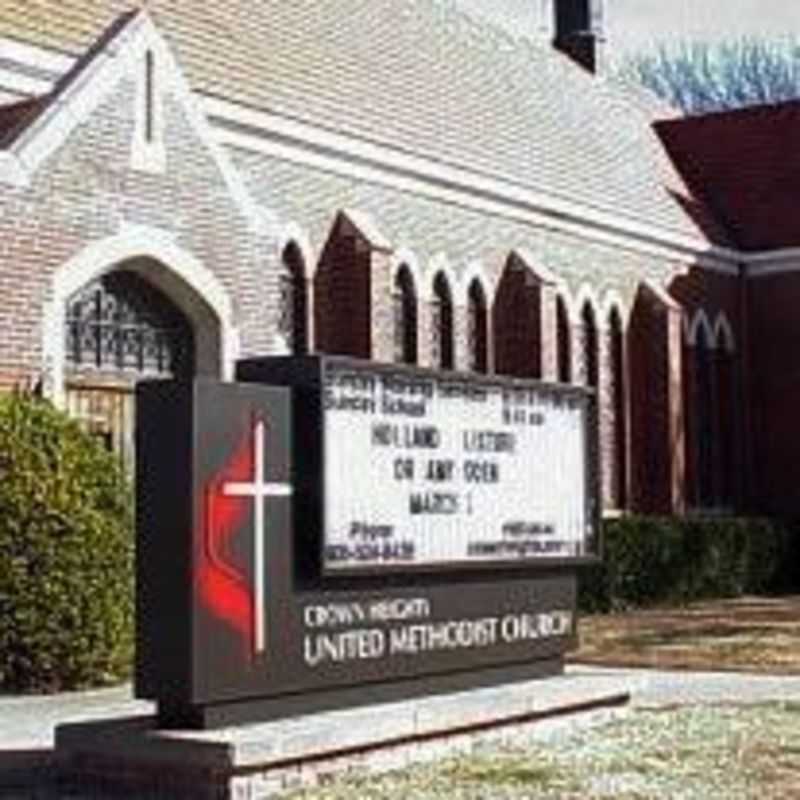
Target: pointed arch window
[703, 418]
[589, 353]
[404, 300]
[563, 341]
[442, 323]
[477, 321]
[728, 411]
[121, 325]
[712, 393]
[617, 468]
[293, 300]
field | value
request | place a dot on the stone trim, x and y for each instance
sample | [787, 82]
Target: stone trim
[363, 222]
[406, 257]
[147, 151]
[538, 270]
[475, 271]
[441, 263]
[217, 350]
[587, 294]
[292, 232]
[723, 333]
[719, 335]
[117, 52]
[613, 300]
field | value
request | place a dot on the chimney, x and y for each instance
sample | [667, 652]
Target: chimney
[579, 31]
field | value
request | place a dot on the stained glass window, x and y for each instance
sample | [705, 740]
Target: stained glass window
[477, 328]
[442, 324]
[563, 341]
[121, 324]
[589, 356]
[404, 299]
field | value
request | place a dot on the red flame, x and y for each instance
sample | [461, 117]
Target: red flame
[224, 590]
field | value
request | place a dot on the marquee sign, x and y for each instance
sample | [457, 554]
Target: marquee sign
[243, 610]
[458, 471]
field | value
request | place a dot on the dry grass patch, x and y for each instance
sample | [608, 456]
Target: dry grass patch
[750, 634]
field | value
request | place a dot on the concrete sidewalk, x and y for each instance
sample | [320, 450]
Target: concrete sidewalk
[652, 688]
[27, 723]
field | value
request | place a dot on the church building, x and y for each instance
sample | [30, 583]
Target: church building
[187, 184]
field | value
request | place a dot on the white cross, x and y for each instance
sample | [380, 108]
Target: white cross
[259, 490]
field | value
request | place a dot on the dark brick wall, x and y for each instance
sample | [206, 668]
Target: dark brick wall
[774, 383]
[516, 319]
[651, 448]
[342, 295]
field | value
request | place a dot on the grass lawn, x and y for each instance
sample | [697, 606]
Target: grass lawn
[755, 634]
[691, 753]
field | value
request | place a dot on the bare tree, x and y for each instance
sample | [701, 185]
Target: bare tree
[699, 77]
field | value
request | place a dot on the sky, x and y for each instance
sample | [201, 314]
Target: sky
[635, 24]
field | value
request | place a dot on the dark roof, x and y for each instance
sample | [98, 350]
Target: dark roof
[745, 165]
[14, 118]
[419, 75]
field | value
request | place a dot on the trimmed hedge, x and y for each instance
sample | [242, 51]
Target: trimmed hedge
[66, 554]
[653, 560]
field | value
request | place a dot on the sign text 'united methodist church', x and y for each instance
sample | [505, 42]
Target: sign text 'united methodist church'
[324, 526]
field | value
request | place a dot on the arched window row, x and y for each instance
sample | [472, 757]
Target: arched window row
[424, 302]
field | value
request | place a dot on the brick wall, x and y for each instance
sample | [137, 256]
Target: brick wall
[342, 299]
[716, 296]
[774, 390]
[655, 420]
[516, 318]
[86, 191]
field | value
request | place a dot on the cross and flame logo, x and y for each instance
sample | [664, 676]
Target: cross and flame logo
[224, 589]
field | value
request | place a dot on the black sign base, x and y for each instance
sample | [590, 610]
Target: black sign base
[222, 715]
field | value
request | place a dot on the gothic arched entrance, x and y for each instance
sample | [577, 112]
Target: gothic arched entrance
[118, 329]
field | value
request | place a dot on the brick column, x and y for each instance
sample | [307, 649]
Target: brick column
[614, 425]
[425, 331]
[461, 336]
[676, 409]
[657, 403]
[578, 366]
[549, 331]
[310, 301]
[606, 420]
[381, 310]
[353, 287]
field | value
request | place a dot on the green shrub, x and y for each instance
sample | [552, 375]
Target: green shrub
[654, 560]
[66, 554]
